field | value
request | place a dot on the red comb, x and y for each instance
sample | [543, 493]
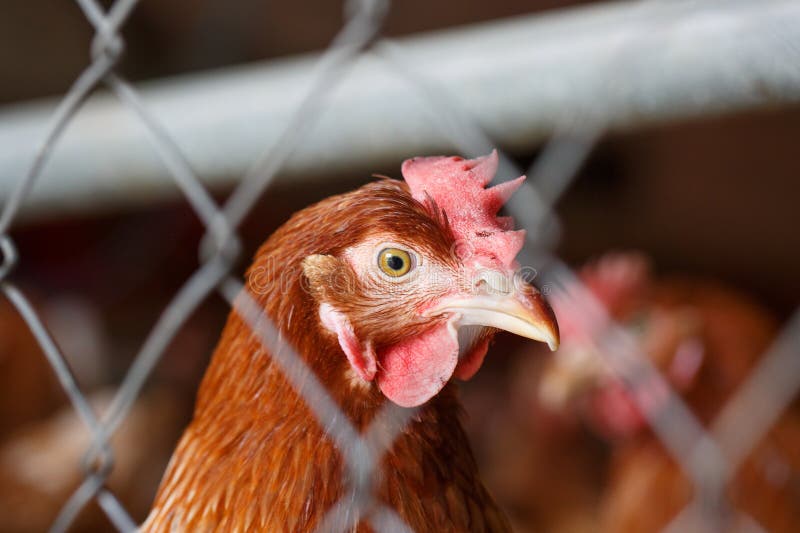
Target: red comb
[458, 186]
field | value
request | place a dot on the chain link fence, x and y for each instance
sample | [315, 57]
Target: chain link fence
[708, 455]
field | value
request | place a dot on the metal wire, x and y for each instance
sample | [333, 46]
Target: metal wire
[696, 449]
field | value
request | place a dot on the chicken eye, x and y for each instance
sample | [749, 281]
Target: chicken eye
[395, 262]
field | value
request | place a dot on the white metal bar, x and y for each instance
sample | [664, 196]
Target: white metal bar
[519, 78]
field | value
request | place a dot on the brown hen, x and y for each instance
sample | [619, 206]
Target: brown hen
[386, 293]
[705, 339]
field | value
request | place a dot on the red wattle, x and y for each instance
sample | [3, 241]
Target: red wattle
[413, 371]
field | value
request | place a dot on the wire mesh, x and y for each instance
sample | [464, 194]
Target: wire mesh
[706, 455]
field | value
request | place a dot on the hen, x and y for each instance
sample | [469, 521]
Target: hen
[40, 463]
[386, 292]
[705, 339]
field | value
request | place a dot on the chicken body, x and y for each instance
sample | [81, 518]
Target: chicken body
[255, 459]
[763, 491]
[733, 334]
[706, 340]
[40, 463]
[274, 469]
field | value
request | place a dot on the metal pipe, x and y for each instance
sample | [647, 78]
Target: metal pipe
[521, 79]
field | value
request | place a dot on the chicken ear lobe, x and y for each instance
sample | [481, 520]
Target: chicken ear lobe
[323, 274]
[360, 355]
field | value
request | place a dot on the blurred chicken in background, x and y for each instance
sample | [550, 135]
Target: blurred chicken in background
[100, 285]
[28, 388]
[705, 340]
[41, 460]
[40, 464]
[44, 441]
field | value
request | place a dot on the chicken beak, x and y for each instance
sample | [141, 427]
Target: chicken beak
[523, 313]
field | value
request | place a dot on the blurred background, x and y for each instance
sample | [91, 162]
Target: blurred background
[685, 226]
